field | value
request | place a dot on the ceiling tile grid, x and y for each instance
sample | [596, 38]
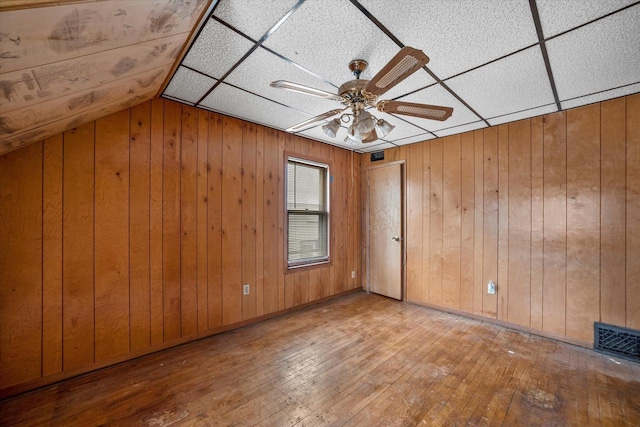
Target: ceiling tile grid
[485, 59]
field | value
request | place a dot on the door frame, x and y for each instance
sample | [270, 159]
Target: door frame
[403, 225]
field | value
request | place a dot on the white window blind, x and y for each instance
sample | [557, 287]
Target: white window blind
[307, 213]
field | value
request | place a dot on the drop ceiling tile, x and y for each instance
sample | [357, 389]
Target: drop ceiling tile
[558, 16]
[188, 85]
[324, 36]
[216, 49]
[448, 31]
[237, 103]
[532, 112]
[597, 57]
[262, 67]
[515, 83]
[368, 148]
[437, 95]
[413, 139]
[461, 129]
[601, 96]
[253, 17]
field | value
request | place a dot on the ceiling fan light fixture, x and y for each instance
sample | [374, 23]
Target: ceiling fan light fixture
[365, 123]
[331, 128]
[384, 127]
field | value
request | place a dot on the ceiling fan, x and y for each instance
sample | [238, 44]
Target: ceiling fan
[359, 94]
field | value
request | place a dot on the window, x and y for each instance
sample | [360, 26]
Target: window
[307, 212]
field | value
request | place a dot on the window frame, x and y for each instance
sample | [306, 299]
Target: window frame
[309, 263]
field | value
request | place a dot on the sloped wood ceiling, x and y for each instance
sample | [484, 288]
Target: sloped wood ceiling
[68, 64]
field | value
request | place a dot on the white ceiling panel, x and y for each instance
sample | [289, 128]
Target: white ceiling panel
[324, 36]
[601, 96]
[271, 68]
[447, 31]
[251, 17]
[216, 50]
[188, 85]
[237, 103]
[413, 139]
[369, 148]
[533, 112]
[558, 16]
[460, 129]
[597, 57]
[498, 88]
[437, 95]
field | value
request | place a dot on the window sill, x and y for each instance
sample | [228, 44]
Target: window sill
[304, 267]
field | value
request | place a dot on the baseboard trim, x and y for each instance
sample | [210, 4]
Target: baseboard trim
[508, 325]
[30, 386]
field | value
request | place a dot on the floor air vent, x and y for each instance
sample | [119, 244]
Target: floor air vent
[617, 341]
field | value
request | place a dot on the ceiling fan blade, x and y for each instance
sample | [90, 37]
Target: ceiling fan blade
[313, 120]
[401, 66]
[424, 111]
[295, 87]
[373, 136]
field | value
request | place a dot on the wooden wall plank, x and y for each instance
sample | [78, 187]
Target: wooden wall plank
[271, 209]
[633, 211]
[139, 226]
[77, 248]
[281, 264]
[188, 218]
[555, 223]
[112, 236]
[248, 239]
[171, 222]
[156, 185]
[426, 222]
[467, 231]
[52, 256]
[231, 221]
[583, 221]
[21, 265]
[490, 227]
[202, 194]
[452, 219]
[435, 223]
[478, 225]
[214, 238]
[260, 188]
[414, 244]
[612, 203]
[537, 220]
[503, 220]
[519, 224]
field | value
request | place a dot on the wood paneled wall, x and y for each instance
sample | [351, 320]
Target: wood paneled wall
[137, 231]
[548, 208]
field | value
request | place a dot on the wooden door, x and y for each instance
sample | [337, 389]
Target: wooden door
[385, 230]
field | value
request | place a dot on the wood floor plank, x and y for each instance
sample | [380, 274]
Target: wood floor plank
[361, 359]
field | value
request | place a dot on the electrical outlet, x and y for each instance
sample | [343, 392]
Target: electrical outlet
[491, 287]
[353, 274]
[245, 289]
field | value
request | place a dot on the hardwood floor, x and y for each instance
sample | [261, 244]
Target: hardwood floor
[358, 360]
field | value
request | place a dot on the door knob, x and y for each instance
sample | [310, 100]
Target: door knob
[396, 238]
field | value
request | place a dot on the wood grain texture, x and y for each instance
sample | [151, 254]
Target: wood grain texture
[583, 221]
[171, 170]
[214, 228]
[490, 227]
[555, 223]
[156, 185]
[452, 220]
[77, 248]
[633, 212]
[231, 221]
[259, 240]
[612, 203]
[467, 230]
[202, 199]
[139, 226]
[111, 262]
[248, 215]
[435, 223]
[537, 220]
[414, 244]
[478, 229]
[504, 232]
[21, 265]
[270, 202]
[426, 219]
[519, 224]
[188, 217]
[52, 255]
